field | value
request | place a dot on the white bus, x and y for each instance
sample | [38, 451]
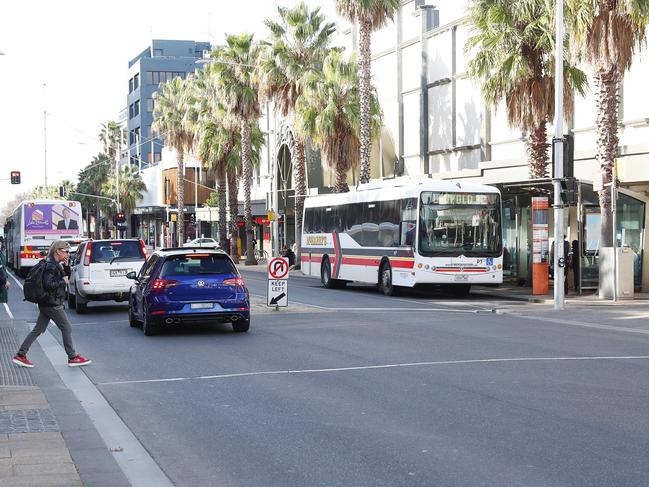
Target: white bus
[34, 225]
[404, 234]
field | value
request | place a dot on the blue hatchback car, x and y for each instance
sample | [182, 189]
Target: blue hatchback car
[183, 286]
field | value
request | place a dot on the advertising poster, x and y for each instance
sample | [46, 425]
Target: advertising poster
[52, 218]
[540, 230]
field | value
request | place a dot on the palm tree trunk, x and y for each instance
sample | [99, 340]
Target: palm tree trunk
[180, 193]
[247, 182]
[299, 173]
[365, 64]
[97, 221]
[606, 88]
[537, 151]
[233, 194]
[223, 205]
[340, 186]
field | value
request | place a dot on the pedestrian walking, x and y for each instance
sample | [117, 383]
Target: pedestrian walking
[4, 278]
[55, 278]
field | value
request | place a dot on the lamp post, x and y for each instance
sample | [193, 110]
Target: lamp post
[559, 258]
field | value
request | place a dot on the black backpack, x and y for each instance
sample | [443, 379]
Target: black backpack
[33, 285]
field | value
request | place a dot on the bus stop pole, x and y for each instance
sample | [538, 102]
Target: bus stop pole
[559, 258]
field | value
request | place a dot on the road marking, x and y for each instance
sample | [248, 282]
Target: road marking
[383, 366]
[581, 324]
[11, 274]
[136, 463]
[8, 311]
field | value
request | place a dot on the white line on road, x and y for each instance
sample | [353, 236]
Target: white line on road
[581, 324]
[384, 366]
[8, 311]
[136, 463]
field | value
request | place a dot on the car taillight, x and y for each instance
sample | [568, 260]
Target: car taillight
[86, 258]
[234, 281]
[162, 284]
[143, 247]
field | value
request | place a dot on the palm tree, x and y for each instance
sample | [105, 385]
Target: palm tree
[371, 15]
[514, 46]
[170, 123]
[607, 33]
[111, 138]
[91, 181]
[233, 203]
[238, 89]
[328, 113]
[131, 188]
[298, 43]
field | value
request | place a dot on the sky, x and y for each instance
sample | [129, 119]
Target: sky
[70, 58]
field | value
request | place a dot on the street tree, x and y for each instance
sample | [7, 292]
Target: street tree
[298, 42]
[238, 89]
[92, 179]
[170, 124]
[513, 45]
[371, 15]
[111, 138]
[607, 34]
[328, 113]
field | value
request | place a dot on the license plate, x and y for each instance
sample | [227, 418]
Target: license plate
[202, 305]
[461, 277]
[118, 272]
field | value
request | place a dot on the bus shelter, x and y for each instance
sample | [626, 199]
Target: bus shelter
[582, 228]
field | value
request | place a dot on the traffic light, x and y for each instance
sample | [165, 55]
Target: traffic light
[62, 191]
[121, 217]
[192, 218]
[568, 155]
[15, 177]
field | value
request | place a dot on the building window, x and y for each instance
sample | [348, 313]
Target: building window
[131, 138]
[136, 108]
[130, 85]
[158, 53]
[130, 111]
[157, 77]
[136, 81]
[157, 157]
[150, 104]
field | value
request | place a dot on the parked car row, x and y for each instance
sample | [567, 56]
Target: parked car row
[169, 288]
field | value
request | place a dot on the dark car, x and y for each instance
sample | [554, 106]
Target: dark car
[185, 286]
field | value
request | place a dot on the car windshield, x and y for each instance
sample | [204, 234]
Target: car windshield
[193, 265]
[459, 223]
[107, 251]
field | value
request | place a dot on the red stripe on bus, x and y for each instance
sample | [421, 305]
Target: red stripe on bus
[458, 270]
[374, 262]
[306, 258]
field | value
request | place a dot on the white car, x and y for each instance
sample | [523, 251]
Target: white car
[99, 271]
[206, 243]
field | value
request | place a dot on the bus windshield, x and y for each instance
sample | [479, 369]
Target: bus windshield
[453, 224]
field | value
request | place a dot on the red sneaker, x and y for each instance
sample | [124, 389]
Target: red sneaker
[78, 360]
[22, 361]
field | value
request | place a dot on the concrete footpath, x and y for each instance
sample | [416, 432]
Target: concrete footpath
[46, 437]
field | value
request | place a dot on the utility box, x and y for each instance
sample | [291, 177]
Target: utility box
[624, 278]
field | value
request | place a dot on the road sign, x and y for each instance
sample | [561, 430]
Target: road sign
[277, 293]
[271, 216]
[278, 268]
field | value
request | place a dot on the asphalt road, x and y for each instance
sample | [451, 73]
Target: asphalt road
[356, 389]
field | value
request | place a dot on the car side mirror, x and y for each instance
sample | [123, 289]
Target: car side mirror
[132, 275]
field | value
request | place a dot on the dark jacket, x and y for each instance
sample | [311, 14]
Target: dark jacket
[53, 283]
[3, 280]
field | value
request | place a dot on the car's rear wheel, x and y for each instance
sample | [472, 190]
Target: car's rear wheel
[80, 305]
[241, 326]
[149, 327]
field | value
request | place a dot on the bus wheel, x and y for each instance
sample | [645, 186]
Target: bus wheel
[325, 274]
[385, 280]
